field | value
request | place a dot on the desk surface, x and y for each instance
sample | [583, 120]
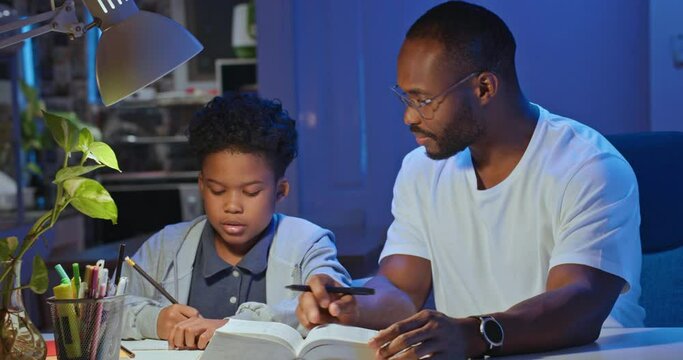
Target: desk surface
[617, 344]
[622, 344]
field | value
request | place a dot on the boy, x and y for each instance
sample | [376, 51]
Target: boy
[235, 260]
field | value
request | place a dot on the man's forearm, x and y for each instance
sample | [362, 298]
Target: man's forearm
[568, 316]
[387, 306]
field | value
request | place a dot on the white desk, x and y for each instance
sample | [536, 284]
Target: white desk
[623, 344]
[617, 344]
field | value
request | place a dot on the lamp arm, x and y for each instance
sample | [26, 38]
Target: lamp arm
[62, 19]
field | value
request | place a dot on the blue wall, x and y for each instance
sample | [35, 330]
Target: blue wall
[666, 82]
[584, 59]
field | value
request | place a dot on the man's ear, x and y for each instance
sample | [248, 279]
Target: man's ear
[282, 188]
[488, 85]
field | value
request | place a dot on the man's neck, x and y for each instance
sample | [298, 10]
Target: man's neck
[507, 137]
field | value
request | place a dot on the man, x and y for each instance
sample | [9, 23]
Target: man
[524, 223]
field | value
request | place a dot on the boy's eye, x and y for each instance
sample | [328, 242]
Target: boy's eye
[251, 193]
[217, 192]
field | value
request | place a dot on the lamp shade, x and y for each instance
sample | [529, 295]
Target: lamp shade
[137, 48]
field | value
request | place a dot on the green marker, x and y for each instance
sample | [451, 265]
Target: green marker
[76, 280]
[63, 277]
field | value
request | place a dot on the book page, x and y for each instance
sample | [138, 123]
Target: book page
[345, 342]
[233, 346]
[269, 331]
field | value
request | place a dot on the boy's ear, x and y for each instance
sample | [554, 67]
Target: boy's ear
[282, 189]
[200, 181]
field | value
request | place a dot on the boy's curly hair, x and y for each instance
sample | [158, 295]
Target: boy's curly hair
[245, 124]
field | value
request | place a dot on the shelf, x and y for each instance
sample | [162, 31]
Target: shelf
[154, 177]
[174, 98]
[145, 140]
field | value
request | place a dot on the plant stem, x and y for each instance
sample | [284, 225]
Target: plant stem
[7, 285]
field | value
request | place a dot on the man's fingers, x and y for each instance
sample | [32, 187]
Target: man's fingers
[389, 334]
[309, 308]
[346, 305]
[317, 284]
[313, 314]
[409, 342]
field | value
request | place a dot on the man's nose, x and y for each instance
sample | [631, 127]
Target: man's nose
[411, 116]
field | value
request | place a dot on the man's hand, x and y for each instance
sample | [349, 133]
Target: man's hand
[171, 315]
[320, 307]
[427, 334]
[194, 333]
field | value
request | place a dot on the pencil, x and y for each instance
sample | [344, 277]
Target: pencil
[127, 351]
[119, 262]
[151, 281]
[336, 289]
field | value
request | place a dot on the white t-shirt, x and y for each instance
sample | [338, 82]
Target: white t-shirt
[571, 199]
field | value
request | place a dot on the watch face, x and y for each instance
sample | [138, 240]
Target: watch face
[493, 331]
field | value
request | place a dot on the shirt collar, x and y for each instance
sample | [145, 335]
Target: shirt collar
[255, 261]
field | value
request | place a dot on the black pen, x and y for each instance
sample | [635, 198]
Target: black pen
[336, 289]
[119, 262]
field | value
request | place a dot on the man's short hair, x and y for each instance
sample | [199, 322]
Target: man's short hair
[245, 124]
[474, 38]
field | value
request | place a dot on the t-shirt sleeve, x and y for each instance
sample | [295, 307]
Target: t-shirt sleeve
[406, 234]
[599, 220]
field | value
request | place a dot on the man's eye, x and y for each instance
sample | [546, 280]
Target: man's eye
[422, 102]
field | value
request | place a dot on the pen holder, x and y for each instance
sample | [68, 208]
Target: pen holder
[87, 329]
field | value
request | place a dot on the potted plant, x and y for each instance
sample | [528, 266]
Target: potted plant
[19, 339]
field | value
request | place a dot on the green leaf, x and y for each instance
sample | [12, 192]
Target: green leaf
[63, 131]
[70, 172]
[90, 197]
[38, 282]
[84, 140]
[33, 168]
[103, 154]
[7, 247]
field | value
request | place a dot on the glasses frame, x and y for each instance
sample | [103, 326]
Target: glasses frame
[418, 105]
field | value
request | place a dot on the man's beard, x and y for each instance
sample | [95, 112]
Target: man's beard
[459, 133]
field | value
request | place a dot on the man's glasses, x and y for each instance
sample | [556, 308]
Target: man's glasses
[424, 107]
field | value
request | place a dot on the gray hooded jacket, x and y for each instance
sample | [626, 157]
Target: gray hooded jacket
[299, 249]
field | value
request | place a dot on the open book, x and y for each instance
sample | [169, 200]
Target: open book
[270, 340]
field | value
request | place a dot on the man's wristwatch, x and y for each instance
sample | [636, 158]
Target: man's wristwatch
[492, 333]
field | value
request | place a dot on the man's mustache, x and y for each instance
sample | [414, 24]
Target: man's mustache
[416, 130]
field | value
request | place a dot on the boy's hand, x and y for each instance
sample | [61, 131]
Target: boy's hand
[320, 307]
[194, 333]
[172, 315]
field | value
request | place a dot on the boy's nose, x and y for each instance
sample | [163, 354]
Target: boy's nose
[233, 205]
[232, 208]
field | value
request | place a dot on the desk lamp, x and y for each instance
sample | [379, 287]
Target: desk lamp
[136, 47]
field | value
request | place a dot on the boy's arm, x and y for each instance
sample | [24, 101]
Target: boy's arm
[141, 311]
